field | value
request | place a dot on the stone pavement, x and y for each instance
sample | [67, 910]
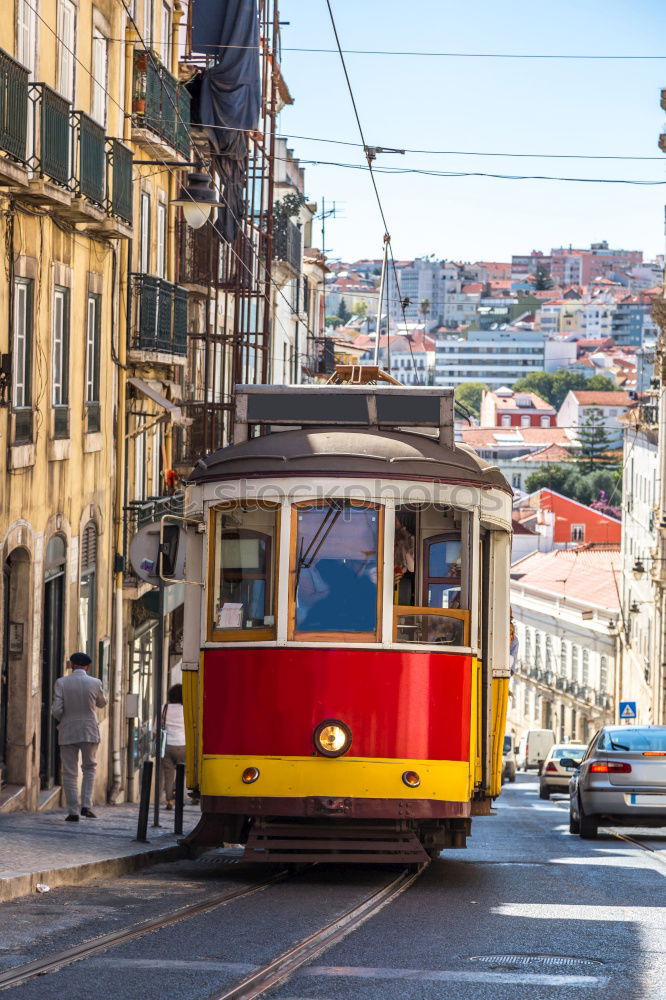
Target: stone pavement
[41, 848]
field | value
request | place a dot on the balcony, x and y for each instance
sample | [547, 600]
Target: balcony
[159, 329]
[13, 120]
[288, 245]
[198, 255]
[137, 514]
[160, 107]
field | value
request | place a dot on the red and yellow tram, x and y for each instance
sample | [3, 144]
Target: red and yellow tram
[346, 658]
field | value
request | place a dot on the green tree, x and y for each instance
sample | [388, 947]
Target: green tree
[542, 280]
[554, 388]
[360, 309]
[333, 321]
[601, 383]
[469, 394]
[343, 311]
[424, 309]
[595, 441]
[572, 483]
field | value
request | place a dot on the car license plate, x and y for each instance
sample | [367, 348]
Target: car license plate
[648, 800]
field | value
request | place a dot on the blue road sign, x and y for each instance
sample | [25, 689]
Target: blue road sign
[627, 709]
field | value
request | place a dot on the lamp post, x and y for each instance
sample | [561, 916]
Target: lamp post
[197, 198]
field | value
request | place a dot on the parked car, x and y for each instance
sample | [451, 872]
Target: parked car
[555, 776]
[509, 765]
[533, 748]
[621, 780]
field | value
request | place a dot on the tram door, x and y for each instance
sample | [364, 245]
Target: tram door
[53, 651]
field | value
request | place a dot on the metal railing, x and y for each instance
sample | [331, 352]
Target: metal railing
[198, 254]
[160, 316]
[89, 173]
[287, 243]
[138, 513]
[13, 107]
[159, 103]
[119, 172]
[53, 139]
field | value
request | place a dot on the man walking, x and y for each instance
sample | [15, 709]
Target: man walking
[74, 701]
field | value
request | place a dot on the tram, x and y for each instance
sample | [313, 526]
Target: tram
[346, 639]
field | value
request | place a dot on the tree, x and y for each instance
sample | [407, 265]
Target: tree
[360, 309]
[424, 309]
[542, 280]
[343, 311]
[568, 480]
[333, 321]
[554, 388]
[595, 441]
[469, 394]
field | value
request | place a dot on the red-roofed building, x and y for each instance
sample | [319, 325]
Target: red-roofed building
[506, 408]
[565, 523]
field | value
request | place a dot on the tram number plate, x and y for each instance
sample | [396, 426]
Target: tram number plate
[315, 806]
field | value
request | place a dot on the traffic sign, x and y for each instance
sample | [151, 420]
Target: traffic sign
[627, 709]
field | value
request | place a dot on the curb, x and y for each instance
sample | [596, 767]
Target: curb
[14, 886]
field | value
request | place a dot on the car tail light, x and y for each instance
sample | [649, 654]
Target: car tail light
[610, 767]
[551, 767]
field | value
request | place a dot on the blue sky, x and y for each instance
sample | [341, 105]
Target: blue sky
[496, 105]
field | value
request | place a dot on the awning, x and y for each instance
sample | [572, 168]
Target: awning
[148, 389]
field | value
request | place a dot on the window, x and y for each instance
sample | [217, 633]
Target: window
[22, 361]
[99, 77]
[525, 420]
[26, 33]
[586, 667]
[166, 35]
[577, 532]
[156, 481]
[441, 577]
[148, 14]
[161, 239]
[66, 44]
[140, 459]
[336, 571]
[603, 674]
[88, 592]
[516, 480]
[545, 421]
[528, 645]
[549, 652]
[526, 702]
[60, 362]
[144, 246]
[244, 584]
[93, 322]
[506, 420]
[574, 663]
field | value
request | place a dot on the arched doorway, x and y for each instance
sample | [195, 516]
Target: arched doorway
[15, 666]
[53, 652]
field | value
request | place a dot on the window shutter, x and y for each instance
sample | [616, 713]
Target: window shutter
[89, 549]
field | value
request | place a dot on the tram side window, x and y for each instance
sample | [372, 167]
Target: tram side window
[335, 571]
[442, 571]
[244, 572]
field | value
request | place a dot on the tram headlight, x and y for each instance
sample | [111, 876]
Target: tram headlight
[250, 775]
[411, 779]
[332, 738]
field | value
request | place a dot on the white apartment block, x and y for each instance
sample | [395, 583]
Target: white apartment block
[495, 357]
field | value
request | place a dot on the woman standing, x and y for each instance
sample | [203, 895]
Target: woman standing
[173, 723]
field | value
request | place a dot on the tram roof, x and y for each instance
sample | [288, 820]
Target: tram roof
[353, 452]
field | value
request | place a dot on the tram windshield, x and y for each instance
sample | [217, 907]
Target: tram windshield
[335, 569]
[245, 542]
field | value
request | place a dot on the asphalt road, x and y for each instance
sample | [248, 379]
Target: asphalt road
[526, 911]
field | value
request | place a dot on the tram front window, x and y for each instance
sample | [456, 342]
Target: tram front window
[335, 570]
[244, 571]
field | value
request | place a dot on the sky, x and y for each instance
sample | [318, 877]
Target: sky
[491, 106]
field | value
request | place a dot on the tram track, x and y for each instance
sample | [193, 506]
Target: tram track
[52, 963]
[257, 983]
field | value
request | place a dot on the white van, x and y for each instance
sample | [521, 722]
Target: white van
[533, 748]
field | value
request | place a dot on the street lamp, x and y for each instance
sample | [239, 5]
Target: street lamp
[638, 569]
[197, 198]
[633, 608]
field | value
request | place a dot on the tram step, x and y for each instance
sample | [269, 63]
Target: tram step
[349, 843]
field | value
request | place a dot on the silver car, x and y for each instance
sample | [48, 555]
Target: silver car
[621, 780]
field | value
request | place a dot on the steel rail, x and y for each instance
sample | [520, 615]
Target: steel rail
[258, 982]
[51, 963]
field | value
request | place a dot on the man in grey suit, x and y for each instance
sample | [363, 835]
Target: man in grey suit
[74, 701]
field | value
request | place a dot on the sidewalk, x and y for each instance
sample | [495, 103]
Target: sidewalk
[41, 848]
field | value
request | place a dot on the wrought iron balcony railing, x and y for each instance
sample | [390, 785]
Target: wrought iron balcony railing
[287, 243]
[159, 102]
[89, 173]
[119, 174]
[160, 317]
[52, 135]
[13, 107]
